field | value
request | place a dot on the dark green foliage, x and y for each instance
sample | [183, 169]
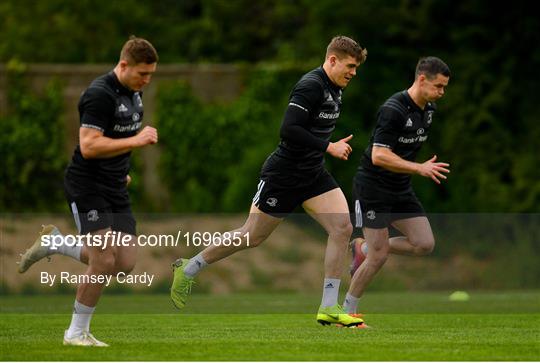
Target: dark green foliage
[93, 31]
[486, 126]
[31, 147]
[212, 154]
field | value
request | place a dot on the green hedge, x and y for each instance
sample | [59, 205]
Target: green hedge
[487, 125]
[212, 154]
[33, 150]
[32, 146]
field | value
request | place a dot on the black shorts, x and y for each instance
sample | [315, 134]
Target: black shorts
[99, 208]
[279, 195]
[375, 208]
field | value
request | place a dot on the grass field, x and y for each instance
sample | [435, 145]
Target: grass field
[405, 326]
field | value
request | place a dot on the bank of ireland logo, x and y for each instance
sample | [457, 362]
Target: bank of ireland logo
[370, 214]
[272, 202]
[136, 116]
[92, 215]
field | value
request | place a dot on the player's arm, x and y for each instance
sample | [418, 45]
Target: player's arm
[94, 145]
[385, 158]
[294, 128]
[97, 110]
[295, 125]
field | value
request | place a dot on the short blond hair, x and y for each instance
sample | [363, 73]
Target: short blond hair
[343, 46]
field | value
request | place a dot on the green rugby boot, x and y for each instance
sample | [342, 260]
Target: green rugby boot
[336, 315]
[181, 286]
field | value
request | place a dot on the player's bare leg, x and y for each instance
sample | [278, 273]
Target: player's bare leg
[255, 231]
[107, 260]
[417, 240]
[331, 211]
[378, 249]
[126, 255]
[418, 237]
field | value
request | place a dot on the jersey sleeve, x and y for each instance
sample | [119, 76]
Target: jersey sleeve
[295, 128]
[388, 128]
[96, 109]
[307, 95]
[305, 99]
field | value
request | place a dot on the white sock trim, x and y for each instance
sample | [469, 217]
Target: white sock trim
[80, 320]
[330, 292]
[195, 265]
[350, 304]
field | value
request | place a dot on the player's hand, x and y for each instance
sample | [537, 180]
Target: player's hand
[147, 136]
[434, 170]
[128, 180]
[340, 149]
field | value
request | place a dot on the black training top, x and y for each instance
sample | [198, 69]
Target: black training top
[113, 109]
[314, 107]
[403, 127]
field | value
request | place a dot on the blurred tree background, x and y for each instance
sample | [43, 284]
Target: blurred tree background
[486, 126]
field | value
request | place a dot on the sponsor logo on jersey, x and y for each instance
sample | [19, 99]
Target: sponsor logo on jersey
[127, 128]
[420, 131]
[330, 116]
[135, 117]
[412, 140]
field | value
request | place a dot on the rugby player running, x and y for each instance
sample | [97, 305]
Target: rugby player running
[294, 174]
[111, 113]
[382, 190]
